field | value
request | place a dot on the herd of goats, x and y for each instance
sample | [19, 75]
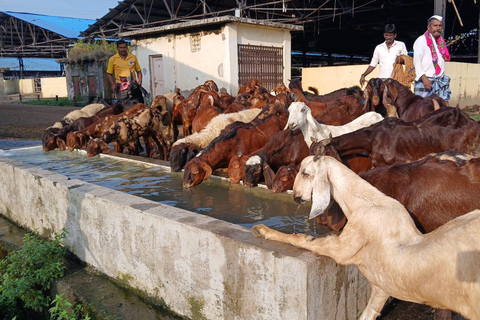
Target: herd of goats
[397, 173]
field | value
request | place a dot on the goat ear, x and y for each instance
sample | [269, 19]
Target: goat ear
[268, 175]
[389, 92]
[311, 121]
[208, 170]
[61, 144]
[366, 97]
[104, 147]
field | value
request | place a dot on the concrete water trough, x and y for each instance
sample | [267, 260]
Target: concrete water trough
[198, 266]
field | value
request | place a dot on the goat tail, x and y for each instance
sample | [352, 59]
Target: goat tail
[314, 90]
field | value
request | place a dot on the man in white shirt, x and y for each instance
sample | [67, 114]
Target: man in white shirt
[386, 54]
[429, 55]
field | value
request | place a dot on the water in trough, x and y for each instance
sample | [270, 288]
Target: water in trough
[216, 198]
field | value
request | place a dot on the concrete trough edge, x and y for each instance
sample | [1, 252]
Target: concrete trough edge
[200, 267]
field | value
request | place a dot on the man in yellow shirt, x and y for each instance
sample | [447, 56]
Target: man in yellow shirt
[126, 69]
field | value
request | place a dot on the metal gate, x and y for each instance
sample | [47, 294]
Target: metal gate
[262, 63]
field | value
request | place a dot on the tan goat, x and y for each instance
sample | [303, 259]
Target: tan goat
[440, 268]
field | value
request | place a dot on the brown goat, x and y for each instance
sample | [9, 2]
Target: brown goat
[285, 147]
[177, 119]
[249, 88]
[297, 89]
[408, 105]
[243, 138]
[127, 131]
[79, 139]
[192, 102]
[393, 140]
[284, 178]
[206, 111]
[373, 98]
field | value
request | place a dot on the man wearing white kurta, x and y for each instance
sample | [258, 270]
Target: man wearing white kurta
[386, 54]
[429, 55]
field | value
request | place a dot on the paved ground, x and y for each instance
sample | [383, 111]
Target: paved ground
[23, 125]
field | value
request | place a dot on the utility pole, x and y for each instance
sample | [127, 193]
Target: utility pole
[21, 67]
[439, 7]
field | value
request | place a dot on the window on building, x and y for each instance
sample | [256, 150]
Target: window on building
[262, 63]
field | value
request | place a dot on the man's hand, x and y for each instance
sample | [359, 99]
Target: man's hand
[399, 60]
[114, 87]
[362, 80]
[426, 83]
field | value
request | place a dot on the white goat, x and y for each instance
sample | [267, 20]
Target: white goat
[300, 117]
[440, 268]
[203, 138]
[85, 112]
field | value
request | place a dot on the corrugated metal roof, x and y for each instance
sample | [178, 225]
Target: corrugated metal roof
[30, 64]
[67, 27]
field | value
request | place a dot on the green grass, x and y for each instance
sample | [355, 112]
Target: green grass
[475, 117]
[61, 102]
[26, 276]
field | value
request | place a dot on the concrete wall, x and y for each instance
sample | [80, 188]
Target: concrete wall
[200, 267]
[216, 58]
[465, 83]
[52, 87]
[11, 86]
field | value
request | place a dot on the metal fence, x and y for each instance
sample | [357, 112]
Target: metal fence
[262, 63]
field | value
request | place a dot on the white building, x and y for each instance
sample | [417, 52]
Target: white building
[229, 50]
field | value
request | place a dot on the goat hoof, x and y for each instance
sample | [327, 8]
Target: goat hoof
[259, 231]
[442, 314]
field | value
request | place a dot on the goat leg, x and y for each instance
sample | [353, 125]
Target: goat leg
[377, 300]
[340, 248]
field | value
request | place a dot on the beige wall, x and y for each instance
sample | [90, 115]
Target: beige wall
[328, 79]
[465, 83]
[26, 86]
[52, 87]
[216, 58]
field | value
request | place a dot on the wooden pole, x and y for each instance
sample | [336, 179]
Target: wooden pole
[456, 11]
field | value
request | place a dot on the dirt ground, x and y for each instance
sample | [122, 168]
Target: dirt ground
[26, 122]
[19, 121]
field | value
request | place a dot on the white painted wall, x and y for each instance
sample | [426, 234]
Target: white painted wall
[216, 59]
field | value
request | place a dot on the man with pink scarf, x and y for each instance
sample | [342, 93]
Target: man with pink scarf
[429, 55]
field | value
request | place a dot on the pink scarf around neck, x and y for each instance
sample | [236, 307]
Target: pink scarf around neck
[442, 47]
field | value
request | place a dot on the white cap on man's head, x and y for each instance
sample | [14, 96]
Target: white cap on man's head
[436, 17]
